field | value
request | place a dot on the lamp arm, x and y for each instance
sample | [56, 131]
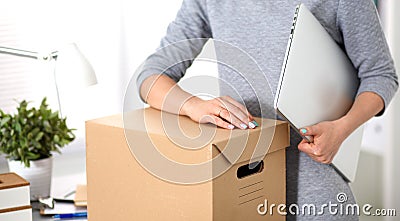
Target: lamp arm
[85, 69]
[35, 55]
[27, 54]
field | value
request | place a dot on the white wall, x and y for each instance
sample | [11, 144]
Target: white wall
[379, 170]
[115, 36]
[391, 21]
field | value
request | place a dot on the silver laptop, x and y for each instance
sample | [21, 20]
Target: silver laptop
[318, 83]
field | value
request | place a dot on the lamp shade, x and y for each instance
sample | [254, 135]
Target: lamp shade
[73, 64]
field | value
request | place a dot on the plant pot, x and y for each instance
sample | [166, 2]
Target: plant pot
[38, 174]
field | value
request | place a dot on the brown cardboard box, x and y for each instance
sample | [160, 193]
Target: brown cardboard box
[149, 165]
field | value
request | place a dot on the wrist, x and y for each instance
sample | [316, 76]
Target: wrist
[188, 105]
[346, 126]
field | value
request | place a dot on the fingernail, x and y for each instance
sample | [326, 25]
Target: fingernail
[244, 126]
[255, 123]
[252, 125]
[230, 126]
[303, 131]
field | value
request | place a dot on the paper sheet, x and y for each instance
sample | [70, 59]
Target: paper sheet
[62, 208]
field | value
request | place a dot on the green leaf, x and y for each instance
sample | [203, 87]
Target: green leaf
[39, 136]
[46, 125]
[35, 131]
[53, 115]
[56, 138]
[18, 127]
[24, 142]
[27, 163]
[30, 114]
[4, 121]
[32, 156]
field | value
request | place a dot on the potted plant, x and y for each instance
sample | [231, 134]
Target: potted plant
[29, 138]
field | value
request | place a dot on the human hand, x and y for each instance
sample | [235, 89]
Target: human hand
[223, 111]
[328, 136]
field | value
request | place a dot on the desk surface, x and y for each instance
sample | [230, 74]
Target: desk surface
[37, 217]
[69, 169]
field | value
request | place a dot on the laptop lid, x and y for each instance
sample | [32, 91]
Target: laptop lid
[318, 83]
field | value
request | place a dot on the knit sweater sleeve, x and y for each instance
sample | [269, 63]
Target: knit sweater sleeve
[365, 44]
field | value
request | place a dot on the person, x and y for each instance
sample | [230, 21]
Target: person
[261, 29]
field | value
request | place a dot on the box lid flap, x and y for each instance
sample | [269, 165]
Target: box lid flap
[252, 145]
[236, 145]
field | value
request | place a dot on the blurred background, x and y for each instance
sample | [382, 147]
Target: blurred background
[116, 36]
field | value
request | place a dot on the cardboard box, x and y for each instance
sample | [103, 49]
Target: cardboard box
[152, 165]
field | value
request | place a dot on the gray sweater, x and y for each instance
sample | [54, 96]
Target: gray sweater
[260, 29]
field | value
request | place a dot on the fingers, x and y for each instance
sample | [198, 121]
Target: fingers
[228, 116]
[326, 143]
[235, 113]
[219, 122]
[223, 112]
[315, 152]
[308, 148]
[311, 130]
[239, 105]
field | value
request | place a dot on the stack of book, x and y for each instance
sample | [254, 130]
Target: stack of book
[14, 198]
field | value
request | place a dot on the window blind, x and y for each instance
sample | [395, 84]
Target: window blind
[17, 74]
[13, 84]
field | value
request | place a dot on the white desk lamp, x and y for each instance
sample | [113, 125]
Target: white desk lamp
[68, 61]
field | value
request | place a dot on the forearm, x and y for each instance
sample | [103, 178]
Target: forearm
[365, 106]
[161, 92]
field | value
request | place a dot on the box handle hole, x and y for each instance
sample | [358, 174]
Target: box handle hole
[250, 169]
